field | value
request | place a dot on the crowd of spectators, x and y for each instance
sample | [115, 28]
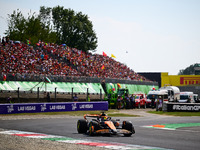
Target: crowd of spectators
[21, 58]
[53, 59]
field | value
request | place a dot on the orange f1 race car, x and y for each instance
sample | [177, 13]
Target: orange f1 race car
[103, 124]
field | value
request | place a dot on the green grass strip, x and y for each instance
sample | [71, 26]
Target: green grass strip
[181, 114]
[122, 115]
[180, 125]
[58, 139]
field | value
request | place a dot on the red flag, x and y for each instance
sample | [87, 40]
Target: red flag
[4, 77]
[119, 85]
[103, 67]
[104, 54]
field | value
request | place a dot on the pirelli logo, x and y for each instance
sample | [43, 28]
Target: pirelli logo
[189, 80]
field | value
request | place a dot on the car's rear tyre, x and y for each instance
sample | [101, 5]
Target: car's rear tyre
[128, 126]
[82, 126]
[93, 126]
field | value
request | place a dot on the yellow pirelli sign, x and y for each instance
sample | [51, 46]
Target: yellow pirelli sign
[179, 80]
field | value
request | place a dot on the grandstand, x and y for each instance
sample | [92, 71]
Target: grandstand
[52, 59]
[60, 63]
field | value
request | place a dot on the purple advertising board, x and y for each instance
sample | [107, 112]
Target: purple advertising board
[52, 107]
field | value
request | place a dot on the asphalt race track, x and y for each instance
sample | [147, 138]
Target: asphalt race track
[183, 138]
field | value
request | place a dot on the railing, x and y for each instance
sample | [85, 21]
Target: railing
[20, 96]
[62, 78]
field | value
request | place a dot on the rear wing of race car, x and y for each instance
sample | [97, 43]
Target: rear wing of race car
[91, 115]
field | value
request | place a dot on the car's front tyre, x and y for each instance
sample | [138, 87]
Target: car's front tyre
[93, 126]
[82, 126]
[128, 126]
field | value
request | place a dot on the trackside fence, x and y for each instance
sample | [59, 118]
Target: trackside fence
[19, 96]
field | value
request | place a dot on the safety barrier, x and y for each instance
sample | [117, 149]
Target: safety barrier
[52, 107]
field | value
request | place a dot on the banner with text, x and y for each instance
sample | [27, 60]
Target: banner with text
[52, 107]
[190, 107]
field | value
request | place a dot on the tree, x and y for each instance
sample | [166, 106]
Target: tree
[16, 25]
[55, 25]
[189, 70]
[21, 28]
[45, 18]
[74, 29]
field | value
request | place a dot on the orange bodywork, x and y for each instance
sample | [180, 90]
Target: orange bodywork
[110, 124]
[103, 131]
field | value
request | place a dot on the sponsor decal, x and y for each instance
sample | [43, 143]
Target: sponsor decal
[74, 106]
[10, 108]
[43, 107]
[189, 80]
[57, 107]
[88, 106]
[186, 107]
[26, 108]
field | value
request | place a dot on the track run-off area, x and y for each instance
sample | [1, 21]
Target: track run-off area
[152, 131]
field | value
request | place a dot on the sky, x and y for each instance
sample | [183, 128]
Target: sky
[146, 35]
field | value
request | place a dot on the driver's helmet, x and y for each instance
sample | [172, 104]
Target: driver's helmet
[103, 116]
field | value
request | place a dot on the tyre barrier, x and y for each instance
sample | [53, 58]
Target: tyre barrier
[52, 107]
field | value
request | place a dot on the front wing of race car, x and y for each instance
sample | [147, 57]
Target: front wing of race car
[111, 131]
